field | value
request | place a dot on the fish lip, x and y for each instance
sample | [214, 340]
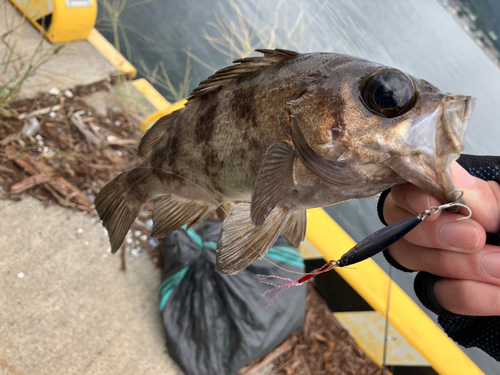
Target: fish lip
[457, 111]
[432, 144]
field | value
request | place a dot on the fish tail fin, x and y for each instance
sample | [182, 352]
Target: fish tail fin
[240, 243]
[117, 210]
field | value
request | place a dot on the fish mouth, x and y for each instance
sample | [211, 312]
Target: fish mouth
[432, 143]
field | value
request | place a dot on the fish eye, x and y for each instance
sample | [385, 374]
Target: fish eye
[388, 92]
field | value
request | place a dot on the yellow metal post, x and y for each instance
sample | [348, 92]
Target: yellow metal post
[60, 20]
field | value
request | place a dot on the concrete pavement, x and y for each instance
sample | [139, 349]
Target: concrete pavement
[65, 307]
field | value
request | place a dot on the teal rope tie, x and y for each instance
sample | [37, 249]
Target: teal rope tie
[168, 286]
[279, 253]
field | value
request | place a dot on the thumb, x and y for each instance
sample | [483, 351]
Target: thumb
[482, 197]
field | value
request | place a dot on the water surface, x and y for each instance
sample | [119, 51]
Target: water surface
[418, 37]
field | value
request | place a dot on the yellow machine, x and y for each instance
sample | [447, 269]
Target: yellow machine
[60, 20]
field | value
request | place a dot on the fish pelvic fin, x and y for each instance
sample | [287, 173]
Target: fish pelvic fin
[157, 132]
[295, 229]
[245, 67]
[240, 243]
[117, 210]
[171, 213]
[275, 180]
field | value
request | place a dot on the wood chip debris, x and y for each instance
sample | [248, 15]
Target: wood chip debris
[71, 153]
[323, 347]
[62, 151]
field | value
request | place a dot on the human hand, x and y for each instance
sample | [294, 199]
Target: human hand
[454, 250]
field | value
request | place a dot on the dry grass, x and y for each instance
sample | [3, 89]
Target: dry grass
[233, 39]
[111, 21]
[16, 68]
[239, 39]
[159, 76]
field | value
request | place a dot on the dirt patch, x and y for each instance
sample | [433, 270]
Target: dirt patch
[60, 150]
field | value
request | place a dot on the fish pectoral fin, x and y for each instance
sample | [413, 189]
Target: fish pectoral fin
[295, 228]
[171, 213]
[333, 172]
[275, 180]
[240, 243]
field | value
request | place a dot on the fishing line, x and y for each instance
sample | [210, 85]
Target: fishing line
[386, 328]
[284, 269]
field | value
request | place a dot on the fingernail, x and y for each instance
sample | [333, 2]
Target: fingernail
[490, 264]
[460, 236]
[412, 200]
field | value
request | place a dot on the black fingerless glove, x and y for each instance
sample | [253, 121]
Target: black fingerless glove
[482, 332]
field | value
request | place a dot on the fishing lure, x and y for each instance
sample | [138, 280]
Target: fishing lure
[366, 248]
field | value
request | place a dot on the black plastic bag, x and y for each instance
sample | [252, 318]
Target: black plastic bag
[216, 324]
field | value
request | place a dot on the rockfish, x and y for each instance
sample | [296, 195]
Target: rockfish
[282, 133]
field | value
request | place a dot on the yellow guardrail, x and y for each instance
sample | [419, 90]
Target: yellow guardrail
[146, 124]
[114, 57]
[371, 283]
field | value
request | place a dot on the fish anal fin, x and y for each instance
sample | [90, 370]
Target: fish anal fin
[240, 243]
[275, 180]
[295, 229]
[244, 67]
[171, 213]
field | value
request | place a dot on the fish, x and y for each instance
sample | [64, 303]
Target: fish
[281, 133]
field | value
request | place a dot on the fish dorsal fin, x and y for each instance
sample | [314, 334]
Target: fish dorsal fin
[295, 229]
[244, 67]
[240, 243]
[275, 180]
[156, 132]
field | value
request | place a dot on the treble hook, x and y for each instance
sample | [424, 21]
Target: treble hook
[459, 197]
[435, 209]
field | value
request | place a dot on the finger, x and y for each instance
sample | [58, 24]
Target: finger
[483, 266]
[468, 297]
[445, 232]
[482, 197]
[413, 199]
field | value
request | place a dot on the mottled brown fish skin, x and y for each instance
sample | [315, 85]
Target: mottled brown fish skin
[220, 140]
[287, 132]
[225, 135]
